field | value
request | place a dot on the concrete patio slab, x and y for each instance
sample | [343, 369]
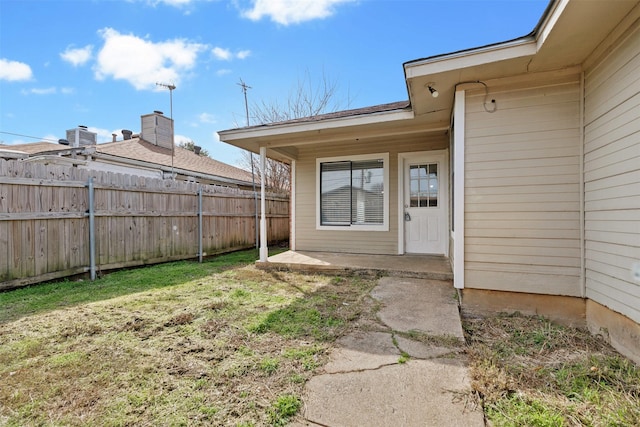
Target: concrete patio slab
[419, 266]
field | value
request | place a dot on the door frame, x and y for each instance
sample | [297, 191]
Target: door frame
[444, 194]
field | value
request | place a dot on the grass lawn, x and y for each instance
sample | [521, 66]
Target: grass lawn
[222, 343]
[218, 343]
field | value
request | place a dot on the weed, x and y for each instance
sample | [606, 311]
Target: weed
[66, 359]
[404, 357]
[297, 379]
[285, 407]
[308, 356]
[269, 365]
[516, 411]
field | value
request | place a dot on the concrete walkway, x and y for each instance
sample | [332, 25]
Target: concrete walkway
[408, 370]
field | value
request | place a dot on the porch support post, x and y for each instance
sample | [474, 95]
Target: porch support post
[292, 208]
[458, 185]
[264, 251]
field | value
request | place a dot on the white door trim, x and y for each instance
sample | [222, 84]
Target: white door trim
[402, 157]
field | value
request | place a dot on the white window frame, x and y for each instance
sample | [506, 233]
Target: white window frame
[356, 227]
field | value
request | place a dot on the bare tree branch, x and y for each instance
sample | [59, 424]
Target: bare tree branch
[305, 100]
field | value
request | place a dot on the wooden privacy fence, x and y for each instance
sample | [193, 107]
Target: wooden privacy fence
[58, 221]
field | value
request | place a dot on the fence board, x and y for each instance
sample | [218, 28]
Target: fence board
[44, 224]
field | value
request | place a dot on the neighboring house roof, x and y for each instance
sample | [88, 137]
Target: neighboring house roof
[37, 147]
[186, 160]
[143, 153]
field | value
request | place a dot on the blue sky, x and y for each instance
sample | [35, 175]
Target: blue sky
[65, 63]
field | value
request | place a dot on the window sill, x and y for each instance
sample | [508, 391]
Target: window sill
[353, 228]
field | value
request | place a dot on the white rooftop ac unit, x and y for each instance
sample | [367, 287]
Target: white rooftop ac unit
[80, 136]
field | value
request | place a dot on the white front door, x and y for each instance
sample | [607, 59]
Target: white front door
[425, 203]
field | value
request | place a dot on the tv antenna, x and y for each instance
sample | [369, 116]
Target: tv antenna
[244, 87]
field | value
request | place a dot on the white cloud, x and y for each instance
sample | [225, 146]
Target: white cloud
[223, 72]
[243, 54]
[142, 63]
[48, 91]
[287, 12]
[181, 139]
[223, 54]
[77, 56]
[105, 135]
[206, 118]
[14, 71]
[176, 3]
[186, 6]
[40, 91]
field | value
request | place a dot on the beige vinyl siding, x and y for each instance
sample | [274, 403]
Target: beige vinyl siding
[522, 189]
[351, 240]
[612, 176]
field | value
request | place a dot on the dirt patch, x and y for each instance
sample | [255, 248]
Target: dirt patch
[529, 371]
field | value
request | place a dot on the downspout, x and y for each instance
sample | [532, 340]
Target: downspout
[264, 251]
[583, 267]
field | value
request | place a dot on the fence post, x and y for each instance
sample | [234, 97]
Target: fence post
[92, 230]
[200, 231]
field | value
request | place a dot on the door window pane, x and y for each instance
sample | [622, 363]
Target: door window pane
[423, 185]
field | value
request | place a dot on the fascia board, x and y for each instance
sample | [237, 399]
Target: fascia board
[549, 22]
[466, 59]
[284, 129]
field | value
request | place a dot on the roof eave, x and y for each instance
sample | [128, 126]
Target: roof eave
[522, 46]
[298, 127]
[526, 46]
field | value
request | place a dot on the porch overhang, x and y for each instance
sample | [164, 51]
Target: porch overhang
[284, 139]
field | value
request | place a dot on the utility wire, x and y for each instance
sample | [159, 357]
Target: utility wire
[29, 136]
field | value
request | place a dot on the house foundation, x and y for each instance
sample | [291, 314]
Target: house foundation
[618, 330]
[570, 311]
